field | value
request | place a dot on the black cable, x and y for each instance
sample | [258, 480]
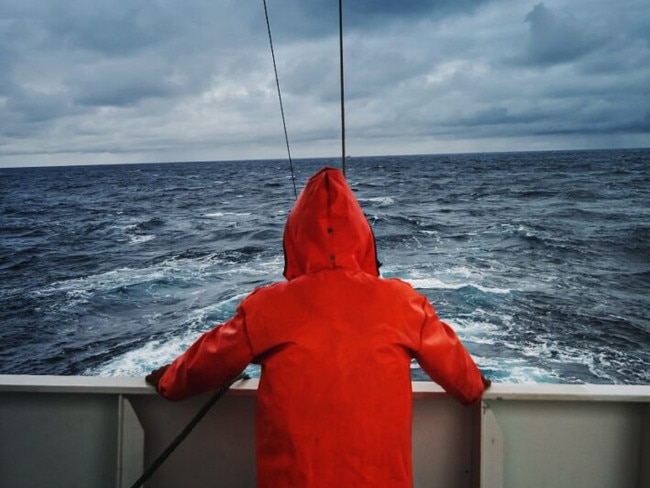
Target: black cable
[342, 87]
[277, 83]
[185, 432]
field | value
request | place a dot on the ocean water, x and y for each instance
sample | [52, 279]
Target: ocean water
[540, 261]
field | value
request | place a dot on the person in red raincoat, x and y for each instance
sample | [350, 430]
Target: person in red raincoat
[335, 343]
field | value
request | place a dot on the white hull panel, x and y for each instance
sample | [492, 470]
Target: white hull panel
[102, 432]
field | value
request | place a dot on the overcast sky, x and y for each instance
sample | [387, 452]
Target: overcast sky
[112, 81]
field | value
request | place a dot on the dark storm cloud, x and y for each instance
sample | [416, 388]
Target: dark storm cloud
[35, 107]
[119, 83]
[320, 17]
[559, 39]
[97, 26]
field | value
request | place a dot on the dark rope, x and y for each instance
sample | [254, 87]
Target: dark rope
[342, 86]
[185, 432]
[277, 83]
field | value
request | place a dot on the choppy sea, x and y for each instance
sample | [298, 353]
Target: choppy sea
[539, 260]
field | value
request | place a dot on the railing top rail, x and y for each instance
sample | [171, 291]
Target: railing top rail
[500, 391]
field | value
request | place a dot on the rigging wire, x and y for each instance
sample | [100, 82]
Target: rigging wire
[342, 86]
[277, 83]
[185, 432]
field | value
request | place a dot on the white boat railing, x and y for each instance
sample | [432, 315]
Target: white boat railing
[94, 432]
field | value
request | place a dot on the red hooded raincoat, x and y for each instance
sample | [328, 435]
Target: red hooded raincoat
[334, 343]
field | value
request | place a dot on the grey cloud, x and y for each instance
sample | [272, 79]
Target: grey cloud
[115, 52]
[315, 18]
[195, 76]
[118, 27]
[489, 116]
[99, 27]
[119, 83]
[36, 107]
[123, 93]
[559, 39]
[639, 125]
[369, 12]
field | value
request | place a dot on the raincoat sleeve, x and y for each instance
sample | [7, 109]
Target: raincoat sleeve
[210, 363]
[444, 358]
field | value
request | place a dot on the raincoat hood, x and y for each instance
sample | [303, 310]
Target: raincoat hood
[327, 229]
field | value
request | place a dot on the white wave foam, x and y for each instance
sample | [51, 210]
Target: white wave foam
[437, 284]
[156, 353]
[509, 371]
[501, 370]
[190, 270]
[216, 215]
[476, 330]
[143, 360]
[597, 362]
[257, 265]
[490, 289]
[141, 239]
[432, 284]
[379, 201]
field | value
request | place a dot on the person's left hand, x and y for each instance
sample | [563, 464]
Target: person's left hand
[153, 378]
